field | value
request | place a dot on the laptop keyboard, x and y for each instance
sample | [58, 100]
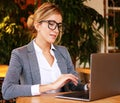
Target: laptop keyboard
[81, 94]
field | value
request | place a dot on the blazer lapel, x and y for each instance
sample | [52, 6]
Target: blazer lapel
[63, 67]
[35, 73]
[61, 61]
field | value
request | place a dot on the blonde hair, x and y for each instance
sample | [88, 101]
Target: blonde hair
[42, 12]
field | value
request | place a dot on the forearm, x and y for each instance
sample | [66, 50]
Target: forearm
[10, 91]
[45, 88]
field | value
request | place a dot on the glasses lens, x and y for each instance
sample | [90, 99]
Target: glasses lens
[60, 27]
[52, 25]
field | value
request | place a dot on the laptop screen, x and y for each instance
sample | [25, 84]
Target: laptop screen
[105, 74]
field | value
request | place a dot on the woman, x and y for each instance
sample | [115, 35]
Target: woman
[41, 67]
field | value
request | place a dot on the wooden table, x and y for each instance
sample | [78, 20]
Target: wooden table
[50, 98]
[3, 70]
[83, 70]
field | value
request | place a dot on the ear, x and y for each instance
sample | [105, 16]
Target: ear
[36, 25]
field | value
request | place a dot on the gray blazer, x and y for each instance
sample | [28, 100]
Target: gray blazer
[24, 71]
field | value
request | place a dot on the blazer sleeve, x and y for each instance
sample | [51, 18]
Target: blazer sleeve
[11, 87]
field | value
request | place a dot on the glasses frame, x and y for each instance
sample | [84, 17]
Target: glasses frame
[57, 25]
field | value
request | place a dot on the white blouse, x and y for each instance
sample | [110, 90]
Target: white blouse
[48, 74]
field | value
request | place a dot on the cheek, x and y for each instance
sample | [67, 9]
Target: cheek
[43, 32]
[43, 28]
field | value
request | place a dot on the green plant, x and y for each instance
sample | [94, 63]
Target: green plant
[12, 31]
[81, 37]
[82, 24]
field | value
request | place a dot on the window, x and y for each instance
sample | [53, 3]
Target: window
[113, 25]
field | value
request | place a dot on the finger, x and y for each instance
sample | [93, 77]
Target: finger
[74, 80]
[73, 76]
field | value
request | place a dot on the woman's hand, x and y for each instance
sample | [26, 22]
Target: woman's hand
[64, 79]
[60, 82]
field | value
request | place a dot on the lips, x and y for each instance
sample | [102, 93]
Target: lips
[53, 35]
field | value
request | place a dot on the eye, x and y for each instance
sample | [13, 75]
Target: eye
[52, 23]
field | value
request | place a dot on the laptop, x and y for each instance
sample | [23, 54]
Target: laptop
[104, 78]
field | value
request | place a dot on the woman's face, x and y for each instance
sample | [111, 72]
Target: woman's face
[49, 29]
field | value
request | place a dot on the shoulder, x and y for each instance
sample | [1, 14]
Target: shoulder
[63, 51]
[20, 49]
[26, 48]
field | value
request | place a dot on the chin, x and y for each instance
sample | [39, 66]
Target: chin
[51, 41]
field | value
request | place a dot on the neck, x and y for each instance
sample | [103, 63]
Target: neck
[43, 45]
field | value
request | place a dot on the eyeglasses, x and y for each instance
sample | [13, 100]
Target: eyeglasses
[53, 24]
